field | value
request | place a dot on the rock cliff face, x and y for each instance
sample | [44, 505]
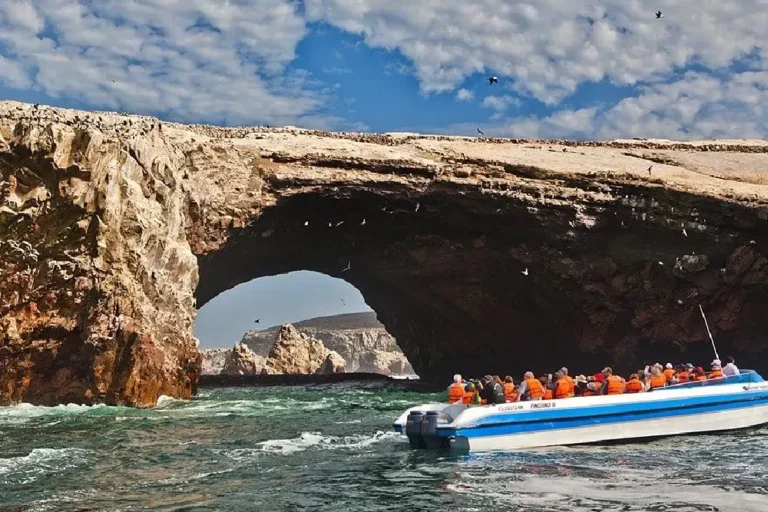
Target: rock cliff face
[242, 361]
[214, 360]
[357, 337]
[295, 353]
[478, 255]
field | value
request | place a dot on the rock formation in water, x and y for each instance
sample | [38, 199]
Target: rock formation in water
[478, 255]
[214, 360]
[295, 353]
[333, 363]
[355, 336]
[242, 361]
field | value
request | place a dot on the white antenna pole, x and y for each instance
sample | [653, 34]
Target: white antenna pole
[709, 332]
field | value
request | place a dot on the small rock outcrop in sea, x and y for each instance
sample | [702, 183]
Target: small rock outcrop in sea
[386, 363]
[214, 360]
[295, 353]
[242, 361]
[333, 363]
[478, 255]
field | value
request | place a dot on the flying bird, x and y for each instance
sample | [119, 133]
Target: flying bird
[363, 223]
[339, 223]
[306, 223]
[659, 15]
[258, 320]
[492, 80]
[342, 302]
[480, 132]
[349, 266]
[525, 272]
[685, 233]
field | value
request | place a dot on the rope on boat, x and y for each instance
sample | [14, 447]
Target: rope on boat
[706, 324]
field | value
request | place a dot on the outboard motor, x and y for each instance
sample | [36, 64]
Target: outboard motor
[413, 429]
[429, 430]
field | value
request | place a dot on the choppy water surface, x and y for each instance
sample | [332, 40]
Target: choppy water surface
[332, 449]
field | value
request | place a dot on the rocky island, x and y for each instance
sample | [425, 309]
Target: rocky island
[356, 342]
[479, 255]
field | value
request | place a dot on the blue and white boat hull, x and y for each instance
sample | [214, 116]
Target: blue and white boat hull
[713, 406]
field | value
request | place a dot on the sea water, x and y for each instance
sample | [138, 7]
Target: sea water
[332, 448]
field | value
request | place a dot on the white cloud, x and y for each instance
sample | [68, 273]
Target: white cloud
[500, 103]
[464, 94]
[549, 47]
[221, 61]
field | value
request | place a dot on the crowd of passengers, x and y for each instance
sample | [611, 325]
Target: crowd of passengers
[492, 390]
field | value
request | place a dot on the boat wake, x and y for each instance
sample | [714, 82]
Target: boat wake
[316, 441]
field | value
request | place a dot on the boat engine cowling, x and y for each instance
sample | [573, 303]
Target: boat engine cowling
[413, 429]
[429, 426]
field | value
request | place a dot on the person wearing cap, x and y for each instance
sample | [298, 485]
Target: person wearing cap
[530, 388]
[612, 385]
[669, 372]
[730, 369]
[717, 371]
[699, 375]
[580, 385]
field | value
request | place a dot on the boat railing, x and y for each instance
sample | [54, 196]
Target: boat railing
[746, 377]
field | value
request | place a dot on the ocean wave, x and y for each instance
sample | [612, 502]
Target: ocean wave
[313, 441]
[40, 461]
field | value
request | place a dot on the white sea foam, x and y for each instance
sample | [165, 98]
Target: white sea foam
[310, 441]
[40, 461]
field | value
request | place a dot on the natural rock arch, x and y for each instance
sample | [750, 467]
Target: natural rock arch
[112, 227]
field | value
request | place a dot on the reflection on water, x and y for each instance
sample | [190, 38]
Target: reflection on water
[292, 449]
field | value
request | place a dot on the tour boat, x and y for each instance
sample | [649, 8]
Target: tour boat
[715, 405]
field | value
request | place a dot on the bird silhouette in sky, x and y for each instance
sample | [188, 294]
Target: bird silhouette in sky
[492, 80]
[480, 132]
[659, 15]
[257, 321]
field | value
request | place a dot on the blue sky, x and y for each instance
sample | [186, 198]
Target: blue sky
[273, 301]
[566, 68]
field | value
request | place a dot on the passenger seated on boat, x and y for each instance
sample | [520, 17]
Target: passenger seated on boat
[491, 392]
[590, 389]
[717, 371]
[634, 385]
[580, 385]
[699, 375]
[456, 390]
[564, 371]
[563, 388]
[731, 369]
[470, 395]
[530, 388]
[683, 374]
[657, 380]
[669, 372]
[510, 392]
[612, 385]
[546, 383]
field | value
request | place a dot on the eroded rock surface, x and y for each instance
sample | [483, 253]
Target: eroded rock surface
[295, 353]
[333, 363]
[111, 226]
[213, 360]
[355, 336]
[242, 361]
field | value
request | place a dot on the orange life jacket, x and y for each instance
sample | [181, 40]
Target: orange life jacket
[548, 394]
[658, 381]
[633, 386]
[455, 393]
[588, 392]
[563, 388]
[668, 374]
[716, 374]
[573, 386]
[468, 397]
[615, 385]
[697, 378]
[535, 389]
[683, 376]
[510, 393]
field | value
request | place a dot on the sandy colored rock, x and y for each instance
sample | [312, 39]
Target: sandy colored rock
[333, 363]
[242, 361]
[385, 363]
[214, 360]
[295, 353]
[115, 229]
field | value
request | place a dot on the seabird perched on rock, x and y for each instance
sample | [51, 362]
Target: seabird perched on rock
[480, 132]
[349, 266]
[363, 223]
[524, 272]
[306, 223]
[418, 205]
[339, 223]
[492, 80]
[659, 15]
[685, 233]
[649, 169]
